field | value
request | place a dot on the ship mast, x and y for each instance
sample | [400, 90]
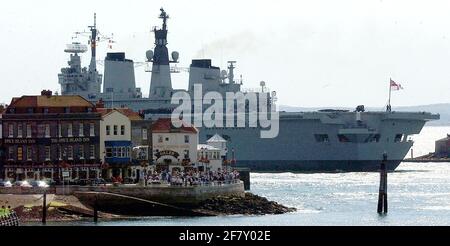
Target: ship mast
[164, 16]
[93, 42]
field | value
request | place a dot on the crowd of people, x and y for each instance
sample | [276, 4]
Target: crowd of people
[192, 177]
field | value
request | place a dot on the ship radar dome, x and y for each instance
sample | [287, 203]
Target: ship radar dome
[175, 56]
[149, 55]
[262, 84]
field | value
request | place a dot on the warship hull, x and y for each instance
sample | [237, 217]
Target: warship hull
[325, 142]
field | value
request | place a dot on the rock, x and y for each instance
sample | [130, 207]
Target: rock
[250, 204]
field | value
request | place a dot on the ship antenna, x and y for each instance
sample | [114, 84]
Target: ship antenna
[164, 16]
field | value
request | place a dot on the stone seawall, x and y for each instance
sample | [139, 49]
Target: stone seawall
[175, 195]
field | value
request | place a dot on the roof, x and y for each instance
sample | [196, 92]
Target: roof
[444, 139]
[216, 139]
[164, 125]
[206, 147]
[125, 111]
[50, 102]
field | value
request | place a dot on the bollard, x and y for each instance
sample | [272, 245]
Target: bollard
[44, 209]
[382, 196]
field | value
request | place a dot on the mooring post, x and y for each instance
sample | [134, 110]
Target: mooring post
[44, 208]
[382, 196]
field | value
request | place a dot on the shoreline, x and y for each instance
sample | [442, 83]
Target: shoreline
[67, 209]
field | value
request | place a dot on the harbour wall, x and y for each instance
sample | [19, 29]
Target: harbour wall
[176, 195]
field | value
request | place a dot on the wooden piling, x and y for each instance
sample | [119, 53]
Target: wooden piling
[244, 174]
[44, 208]
[382, 196]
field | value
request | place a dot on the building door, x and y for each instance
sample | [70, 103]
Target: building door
[138, 174]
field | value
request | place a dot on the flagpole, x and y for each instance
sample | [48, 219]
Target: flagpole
[390, 92]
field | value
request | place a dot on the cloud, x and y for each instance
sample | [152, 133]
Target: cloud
[244, 42]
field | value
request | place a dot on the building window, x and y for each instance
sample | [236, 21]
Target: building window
[92, 152]
[81, 130]
[47, 130]
[11, 153]
[122, 130]
[109, 153]
[19, 153]
[29, 153]
[67, 110]
[69, 130]
[60, 152]
[47, 153]
[186, 154]
[160, 139]
[19, 131]
[81, 152]
[70, 152]
[108, 130]
[167, 139]
[186, 139]
[115, 130]
[92, 129]
[10, 130]
[29, 131]
[46, 110]
[144, 134]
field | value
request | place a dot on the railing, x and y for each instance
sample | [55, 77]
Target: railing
[193, 184]
[10, 219]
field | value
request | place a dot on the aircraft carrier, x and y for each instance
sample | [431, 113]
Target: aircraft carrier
[322, 141]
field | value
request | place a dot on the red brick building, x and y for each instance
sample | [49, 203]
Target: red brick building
[48, 136]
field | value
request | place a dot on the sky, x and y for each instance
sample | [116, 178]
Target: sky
[314, 53]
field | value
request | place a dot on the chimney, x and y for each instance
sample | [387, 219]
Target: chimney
[100, 104]
[46, 93]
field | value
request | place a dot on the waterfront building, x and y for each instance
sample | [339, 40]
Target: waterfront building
[442, 147]
[220, 143]
[122, 131]
[2, 173]
[115, 142]
[141, 140]
[174, 148]
[209, 158]
[51, 137]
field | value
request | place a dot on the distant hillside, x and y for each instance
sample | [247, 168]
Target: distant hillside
[442, 109]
